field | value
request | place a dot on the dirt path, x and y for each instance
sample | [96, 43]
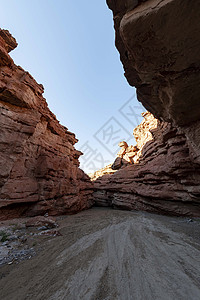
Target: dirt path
[111, 255]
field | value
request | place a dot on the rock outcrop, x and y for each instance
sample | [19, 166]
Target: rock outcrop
[107, 170]
[164, 178]
[125, 156]
[159, 48]
[39, 167]
[128, 155]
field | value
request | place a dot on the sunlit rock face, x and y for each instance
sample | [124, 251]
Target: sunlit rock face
[163, 179]
[39, 168]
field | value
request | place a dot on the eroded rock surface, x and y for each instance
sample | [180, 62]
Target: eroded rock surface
[39, 167]
[164, 178]
[125, 156]
[158, 44]
[159, 47]
[104, 171]
[128, 155]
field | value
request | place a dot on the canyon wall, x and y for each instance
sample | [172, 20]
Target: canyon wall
[159, 45]
[39, 167]
[158, 42]
[164, 178]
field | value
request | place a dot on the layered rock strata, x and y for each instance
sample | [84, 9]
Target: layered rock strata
[159, 45]
[39, 167]
[107, 170]
[164, 178]
[159, 48]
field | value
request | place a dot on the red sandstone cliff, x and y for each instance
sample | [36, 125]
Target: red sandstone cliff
[159, 47]
[39, 167]
[158, 42]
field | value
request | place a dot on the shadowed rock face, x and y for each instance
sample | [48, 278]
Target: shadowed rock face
[38, 164]
[159, 47]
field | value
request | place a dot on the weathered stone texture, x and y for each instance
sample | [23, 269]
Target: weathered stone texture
[164, 179]
[159, 47]
[38, 164]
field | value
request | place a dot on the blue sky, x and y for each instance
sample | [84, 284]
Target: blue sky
[68, 46]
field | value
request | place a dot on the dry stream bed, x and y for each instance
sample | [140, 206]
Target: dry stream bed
[102, 254]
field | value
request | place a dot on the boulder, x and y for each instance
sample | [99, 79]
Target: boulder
[40, 221]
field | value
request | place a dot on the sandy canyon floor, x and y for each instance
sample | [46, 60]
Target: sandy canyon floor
[105, 254]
